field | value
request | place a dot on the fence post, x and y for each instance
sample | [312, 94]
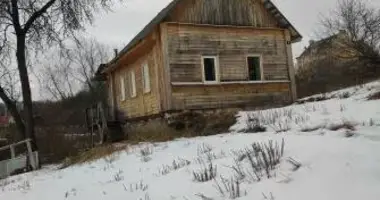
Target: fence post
[31, 157]
[13, 153]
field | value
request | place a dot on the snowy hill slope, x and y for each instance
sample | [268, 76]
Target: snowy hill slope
[337, 142]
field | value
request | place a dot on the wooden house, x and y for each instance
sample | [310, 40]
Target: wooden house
[329, 51]
[205, 54]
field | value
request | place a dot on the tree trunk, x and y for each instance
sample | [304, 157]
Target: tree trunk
[26, 92]
[12, 107]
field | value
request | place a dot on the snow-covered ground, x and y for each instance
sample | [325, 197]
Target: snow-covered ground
[336, 164]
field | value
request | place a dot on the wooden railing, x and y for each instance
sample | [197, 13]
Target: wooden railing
[18, 162]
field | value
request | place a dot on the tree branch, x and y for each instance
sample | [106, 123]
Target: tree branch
[37, 14]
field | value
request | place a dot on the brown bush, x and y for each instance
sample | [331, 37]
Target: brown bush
[375, 96]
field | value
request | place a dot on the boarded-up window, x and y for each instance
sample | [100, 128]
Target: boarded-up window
[254, 68]
[132, 78]
[210, 69]
[122, 88]
[146, 78]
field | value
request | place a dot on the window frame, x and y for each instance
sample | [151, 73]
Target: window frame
[123, 96]
[217, 70]
[146, 82]
[260, 56]
[132, 78]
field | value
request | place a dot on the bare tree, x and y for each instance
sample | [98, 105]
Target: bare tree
[86, 57]
[56, 78]
[75, 69]
[361, 22]
[27, 25]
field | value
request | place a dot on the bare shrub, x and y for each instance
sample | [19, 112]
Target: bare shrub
[268, 197]
[146, 152]
[229, 188]
[254, 125]
[281, 126]
[374, 96]
[205, 174]
[204, 148]
[344, 95]
[311, 128]
[344, 125]
[133, 187]
[317, 98]
[262, 158]
[118, 176]
[176, 165]
[296, 164]
[349, 133]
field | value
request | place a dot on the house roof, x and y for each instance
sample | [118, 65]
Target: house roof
[268, 4]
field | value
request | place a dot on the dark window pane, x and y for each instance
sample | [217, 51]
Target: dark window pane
[209, 69]
[254, 70]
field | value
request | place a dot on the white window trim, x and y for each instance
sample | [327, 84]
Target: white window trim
[122, 88]
[217, 74]
[228, 82]
[146, 78]
[132, 77]
[261, 66]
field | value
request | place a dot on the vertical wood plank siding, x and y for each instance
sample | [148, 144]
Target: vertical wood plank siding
[187, 43]
[223, 12]
[232, 45]
[144, 104]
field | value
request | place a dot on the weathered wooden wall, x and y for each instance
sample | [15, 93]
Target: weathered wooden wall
[223, 12]
[187, 43]
[230, 95]
[144, 104]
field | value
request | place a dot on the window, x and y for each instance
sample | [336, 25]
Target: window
[146, 78]
[122, 88]
[210, 69]
[254, 68]
[132, 78]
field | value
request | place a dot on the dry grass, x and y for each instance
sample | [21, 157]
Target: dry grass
[155, 131]
[93, 154]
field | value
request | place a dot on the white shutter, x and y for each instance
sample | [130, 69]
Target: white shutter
[122, 88]
[133, 84]
[146, 78]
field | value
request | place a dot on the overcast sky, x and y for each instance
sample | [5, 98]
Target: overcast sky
[117, 28]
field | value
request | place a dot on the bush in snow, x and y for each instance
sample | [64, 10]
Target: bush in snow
[262, 160]
[145, 153]
[254, 125]
[229, 188]
[344, 125]
[118, 176]
[140, 186]
[206, 173]
[204, 148]
[176, 164]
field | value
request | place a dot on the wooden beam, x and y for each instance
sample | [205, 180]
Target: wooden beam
[167, 79]
[291, 69]
[15, 144]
